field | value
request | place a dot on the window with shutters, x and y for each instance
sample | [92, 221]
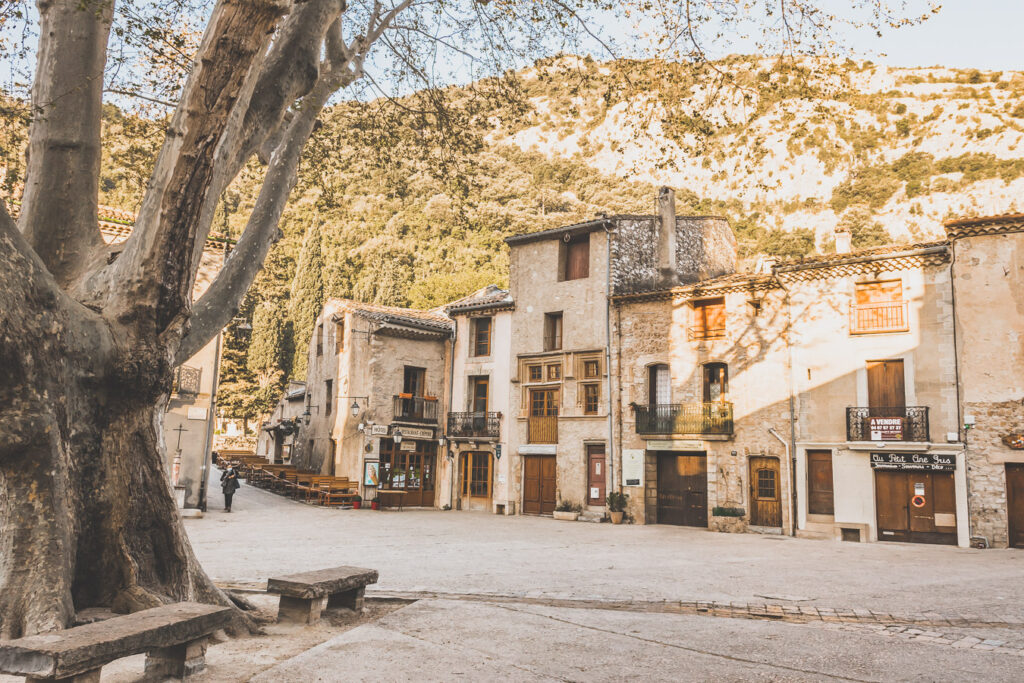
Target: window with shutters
[575, 258]
[878, 307]
[481, 338]
[659, 385]
[552, 331]
[708, 319]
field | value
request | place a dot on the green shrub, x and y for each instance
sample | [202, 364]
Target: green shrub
[872, 186]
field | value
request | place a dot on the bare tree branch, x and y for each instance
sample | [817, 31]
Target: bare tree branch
[59, 207]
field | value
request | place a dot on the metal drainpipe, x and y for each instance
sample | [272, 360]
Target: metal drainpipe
[956, 366]
[790, 454]
[608, 350]
[451, 392]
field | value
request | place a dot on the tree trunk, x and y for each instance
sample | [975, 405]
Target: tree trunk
[87, 517]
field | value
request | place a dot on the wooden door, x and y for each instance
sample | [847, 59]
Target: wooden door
[1015, 503]
[886, 390]
[683, 489]
[820, 497]
[765, 492]
[538, 484]
[597, 474]
[932, 520]
[476, 480]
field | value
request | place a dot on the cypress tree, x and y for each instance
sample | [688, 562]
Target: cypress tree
[267, 359]
[307, 297]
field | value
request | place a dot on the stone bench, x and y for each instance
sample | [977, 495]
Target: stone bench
[173, 636]
[304, 596]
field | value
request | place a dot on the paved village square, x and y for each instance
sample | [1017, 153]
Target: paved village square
[513, 340]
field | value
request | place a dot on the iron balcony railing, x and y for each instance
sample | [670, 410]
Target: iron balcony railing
[478, 425]
[684, 418]
[542, 429]
[699, 332]
[909, 423]
[886, 316]
[416, 409]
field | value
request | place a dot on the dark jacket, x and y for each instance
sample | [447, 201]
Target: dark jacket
[229, 480]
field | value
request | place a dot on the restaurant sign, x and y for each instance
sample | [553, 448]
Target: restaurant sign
[936, 462]
[886, 428]
[416, 433]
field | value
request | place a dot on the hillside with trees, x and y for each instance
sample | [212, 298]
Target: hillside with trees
[389, 211]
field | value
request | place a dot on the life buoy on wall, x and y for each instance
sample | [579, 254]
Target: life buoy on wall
[917, 501]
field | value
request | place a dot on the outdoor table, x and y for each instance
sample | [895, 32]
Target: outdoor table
[395, 492]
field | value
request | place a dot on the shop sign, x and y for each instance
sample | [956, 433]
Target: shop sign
[378, 430]
[886, 428]
[407, 446]
[941, 462]
[674, 445]
[417, 433]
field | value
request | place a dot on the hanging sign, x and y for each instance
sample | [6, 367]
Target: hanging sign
[936, 462]
[417, 433]
[407, 446]
[378, 430]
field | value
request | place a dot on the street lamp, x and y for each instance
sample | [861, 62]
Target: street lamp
[307, 415]
[355, 408]
[397, 436]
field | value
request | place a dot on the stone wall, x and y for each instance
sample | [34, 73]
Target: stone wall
[986, 466]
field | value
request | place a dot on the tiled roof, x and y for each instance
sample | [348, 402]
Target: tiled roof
[584, 227]
[734, 282]
[985, 225]
[883, 252]
[490, 296]
[432, 319]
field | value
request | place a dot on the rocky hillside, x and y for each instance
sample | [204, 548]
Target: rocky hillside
[861, 143]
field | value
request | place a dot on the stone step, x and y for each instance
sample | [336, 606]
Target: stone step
[814, 534]
[591, 516]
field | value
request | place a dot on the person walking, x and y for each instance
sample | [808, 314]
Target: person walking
[229, 484]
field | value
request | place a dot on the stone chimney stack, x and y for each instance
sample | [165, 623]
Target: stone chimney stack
[667, 274]
[844, 243]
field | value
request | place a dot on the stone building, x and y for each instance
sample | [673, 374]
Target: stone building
[875, 425]
[277, 433]
[564, 441]
[376, 386]
[479, 411]
[987, 256]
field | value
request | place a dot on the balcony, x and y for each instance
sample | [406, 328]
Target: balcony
[887, 424]
[684, 418]
[876, 318]
[542, 429]
[699, 333]
[415, 409]
[478, 425]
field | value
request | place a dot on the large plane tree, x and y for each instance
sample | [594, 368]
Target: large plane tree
[89, 333]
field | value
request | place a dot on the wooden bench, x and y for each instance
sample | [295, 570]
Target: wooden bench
[304, 596]
[338, 491]
[173, 636]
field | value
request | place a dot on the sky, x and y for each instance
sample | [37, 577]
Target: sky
[978, 34]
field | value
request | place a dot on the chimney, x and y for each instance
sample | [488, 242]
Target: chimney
[843, 242]
[765, 264]
[667, 236]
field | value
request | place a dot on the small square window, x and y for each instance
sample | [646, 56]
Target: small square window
[591, 369]
[535, 373]
[554, 372]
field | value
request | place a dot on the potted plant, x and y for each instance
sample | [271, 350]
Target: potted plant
[375, 504]
[567, 510]
[616, 502]
[357, 502]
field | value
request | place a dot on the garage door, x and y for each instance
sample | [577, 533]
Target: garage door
[683, 489]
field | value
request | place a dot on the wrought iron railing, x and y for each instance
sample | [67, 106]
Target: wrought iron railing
[909, 423]
[416, 409]
[542, 429]
[697, 332]
[478, 425]
[684, 418]
[886, 316]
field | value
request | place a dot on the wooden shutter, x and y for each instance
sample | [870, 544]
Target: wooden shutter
[886, 386]
[577, 258]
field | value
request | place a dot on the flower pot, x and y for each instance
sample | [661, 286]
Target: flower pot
[566, 516]
[616, 516]
[356, 504]
[374, 505]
